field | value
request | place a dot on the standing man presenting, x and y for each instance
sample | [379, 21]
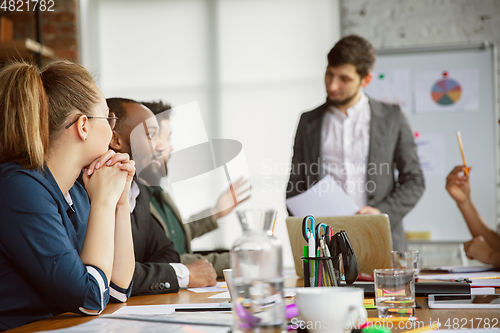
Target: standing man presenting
[358, 141]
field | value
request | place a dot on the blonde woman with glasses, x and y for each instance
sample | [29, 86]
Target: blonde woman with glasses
[62, 247]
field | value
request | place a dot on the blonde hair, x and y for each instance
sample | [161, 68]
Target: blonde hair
[35, 105]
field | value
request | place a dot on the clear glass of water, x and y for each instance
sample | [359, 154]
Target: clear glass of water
[405, 259]
[395, 292]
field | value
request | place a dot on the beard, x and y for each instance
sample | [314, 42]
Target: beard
[152, 174]
[341, 102]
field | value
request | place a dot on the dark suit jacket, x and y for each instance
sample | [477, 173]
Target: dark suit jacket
[200, 224]
[391, 147]
[153, 251]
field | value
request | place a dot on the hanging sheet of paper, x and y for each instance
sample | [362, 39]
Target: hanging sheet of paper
[391, 86]
[447, 91]
[430, 149]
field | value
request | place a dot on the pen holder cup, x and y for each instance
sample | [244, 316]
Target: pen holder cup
[321, 271]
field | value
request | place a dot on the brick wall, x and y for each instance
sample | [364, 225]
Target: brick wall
[59, 28]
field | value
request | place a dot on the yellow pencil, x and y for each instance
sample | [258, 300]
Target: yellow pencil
[274, 223]
[459, 138]
[485, 278]
[391, 319]
[434, 326]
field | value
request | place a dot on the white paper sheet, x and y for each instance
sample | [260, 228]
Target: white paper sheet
[482, 291]
[485, 283]
[391, 86]
[111, 325]
[146, 310]
[430, 148]
[287, 292]
[164, 309]
[325, 198]
[220, 287]
[221, 295]
[455, 92]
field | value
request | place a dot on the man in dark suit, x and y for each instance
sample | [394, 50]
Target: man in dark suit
[359, 141]
[158, 267]
[164, 209]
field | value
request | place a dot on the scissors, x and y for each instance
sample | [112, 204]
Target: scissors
[318, 231]
[308, 232]
[310, 237]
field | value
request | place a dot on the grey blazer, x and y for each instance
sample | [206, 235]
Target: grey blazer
[391, 147]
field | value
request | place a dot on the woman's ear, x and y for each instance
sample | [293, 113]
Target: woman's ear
[116, 142]
[82, 127]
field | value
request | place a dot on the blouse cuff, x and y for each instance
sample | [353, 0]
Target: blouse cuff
[119, 295]
[103, 293]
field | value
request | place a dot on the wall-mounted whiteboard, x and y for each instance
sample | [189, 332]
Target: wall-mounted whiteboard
[445, 89]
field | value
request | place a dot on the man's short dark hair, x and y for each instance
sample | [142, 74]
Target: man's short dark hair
[159, 107]
[115, 105]
[354, 50]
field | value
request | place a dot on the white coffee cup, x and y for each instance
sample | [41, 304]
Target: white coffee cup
[228, 276]
[332, 310]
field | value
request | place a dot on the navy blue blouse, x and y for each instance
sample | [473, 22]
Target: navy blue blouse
[41, 236]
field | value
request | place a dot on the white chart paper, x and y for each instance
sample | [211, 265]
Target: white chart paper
[325, 198]
[447, 91]
[430, 149]
[391, 86]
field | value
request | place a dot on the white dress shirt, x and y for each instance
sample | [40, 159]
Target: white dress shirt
[345, 140]
[181, 270]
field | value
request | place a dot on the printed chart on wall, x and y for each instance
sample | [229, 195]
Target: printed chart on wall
[391, 86]
[447, 91]
[431, 152]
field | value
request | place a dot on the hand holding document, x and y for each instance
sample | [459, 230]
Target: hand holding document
[325, 198]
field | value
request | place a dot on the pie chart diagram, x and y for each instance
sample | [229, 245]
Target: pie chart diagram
[446, 92]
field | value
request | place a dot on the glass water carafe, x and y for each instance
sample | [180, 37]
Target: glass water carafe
[256, 262]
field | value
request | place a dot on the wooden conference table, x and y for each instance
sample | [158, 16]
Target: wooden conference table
[455, 318]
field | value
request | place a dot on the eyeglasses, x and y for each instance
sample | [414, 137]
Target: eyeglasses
[111, 118]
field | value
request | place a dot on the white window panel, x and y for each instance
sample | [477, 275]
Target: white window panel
[262, 40]
[253, 66]
[173, 96]
[152, 43]
[264, 120]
